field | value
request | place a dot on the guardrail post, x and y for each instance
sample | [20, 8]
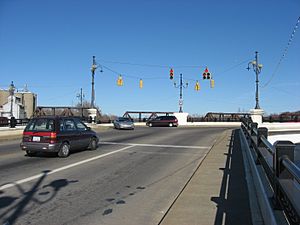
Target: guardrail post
[253, 126]
[248, 122]
[253, 133]
[282, 149]
[262, 132]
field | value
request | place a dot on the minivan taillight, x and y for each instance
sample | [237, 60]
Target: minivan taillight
[26, 136]
[52, 137]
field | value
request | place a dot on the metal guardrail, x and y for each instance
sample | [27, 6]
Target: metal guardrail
[282, 173]
[5, 122]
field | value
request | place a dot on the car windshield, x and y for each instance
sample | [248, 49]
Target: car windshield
[40, 124]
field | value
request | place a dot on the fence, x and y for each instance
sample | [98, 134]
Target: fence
[278, 163]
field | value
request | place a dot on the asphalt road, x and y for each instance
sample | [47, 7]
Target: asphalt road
[132, 178]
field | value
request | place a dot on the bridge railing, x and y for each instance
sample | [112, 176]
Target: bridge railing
[281, 171]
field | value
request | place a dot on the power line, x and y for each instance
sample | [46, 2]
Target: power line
[284, 53]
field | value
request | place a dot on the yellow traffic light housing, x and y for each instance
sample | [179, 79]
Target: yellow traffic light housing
[212, 83]
[197, 86]
[141, 83]
[120, 81]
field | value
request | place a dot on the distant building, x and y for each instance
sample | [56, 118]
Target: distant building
[21, 104]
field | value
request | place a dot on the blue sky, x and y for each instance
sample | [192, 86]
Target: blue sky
[49, 45]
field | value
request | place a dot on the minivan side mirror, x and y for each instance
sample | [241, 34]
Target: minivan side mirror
[88, 128]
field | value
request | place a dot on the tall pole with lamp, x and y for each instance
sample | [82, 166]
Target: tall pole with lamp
[11, 93]
[257, 69]
[93, 69]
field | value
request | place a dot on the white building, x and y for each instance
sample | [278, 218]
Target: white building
[13, 107]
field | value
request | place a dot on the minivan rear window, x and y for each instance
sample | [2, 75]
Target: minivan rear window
[40, 124]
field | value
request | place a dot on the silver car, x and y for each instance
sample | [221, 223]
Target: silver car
[123, 123]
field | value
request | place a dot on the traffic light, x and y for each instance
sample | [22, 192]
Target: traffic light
[197, 86]
[141, 83]
[212, 83]
[206, 74]
[171, 74]
[120, 81]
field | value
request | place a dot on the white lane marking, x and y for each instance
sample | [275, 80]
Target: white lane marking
[5, 186]
[158, 146]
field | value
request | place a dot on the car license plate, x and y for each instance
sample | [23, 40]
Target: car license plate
[36, 138]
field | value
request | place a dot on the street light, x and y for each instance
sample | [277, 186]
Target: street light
[93, 69]
[257, 69]
[11, 93]
[180, 86]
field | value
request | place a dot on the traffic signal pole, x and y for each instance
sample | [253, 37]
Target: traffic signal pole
[180, 86]
[180, 95]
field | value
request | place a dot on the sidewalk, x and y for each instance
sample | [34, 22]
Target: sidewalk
[7, 133]
[217, 193]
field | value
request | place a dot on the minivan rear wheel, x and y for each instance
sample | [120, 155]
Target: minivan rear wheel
[150, 124]
[64, 150]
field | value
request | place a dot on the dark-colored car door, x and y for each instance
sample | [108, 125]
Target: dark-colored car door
[71, 134]
[84, 133]
[159, 121]
[165, 121]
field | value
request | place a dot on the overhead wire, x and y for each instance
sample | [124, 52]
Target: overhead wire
[284, 54]
[152, 65]
[130, 76]
[233, 67]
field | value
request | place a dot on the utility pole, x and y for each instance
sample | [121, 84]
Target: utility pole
[80, 96]
[94, 67]
[180, 86]
[257, 69]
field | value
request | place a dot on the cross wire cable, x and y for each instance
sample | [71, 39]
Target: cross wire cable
[152, 65]
[161, 66]
[130, 76]
[284, 54]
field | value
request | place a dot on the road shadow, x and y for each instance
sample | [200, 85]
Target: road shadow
[12, 207]
[233, 206]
